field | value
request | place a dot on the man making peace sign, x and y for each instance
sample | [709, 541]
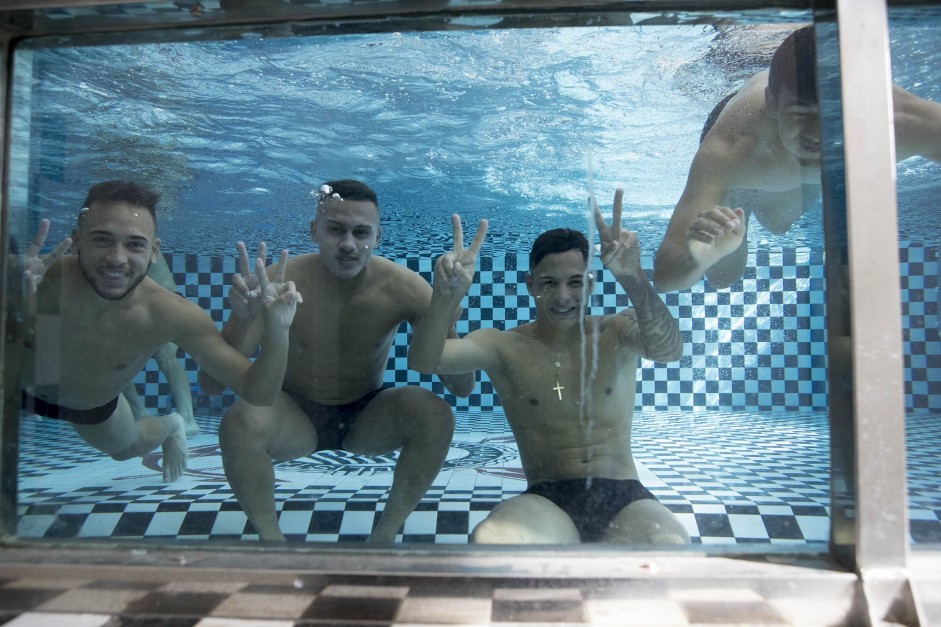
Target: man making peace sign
[567, 383]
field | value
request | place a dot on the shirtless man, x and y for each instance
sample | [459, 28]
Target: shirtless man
[567, 383]
[168, 364]
[99, 318]
[760, 152]
[333, 397]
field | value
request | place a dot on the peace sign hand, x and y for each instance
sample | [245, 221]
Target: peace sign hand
[244, 290]
[454, 271]
[620, 251]
[278, 299]
[36, 265]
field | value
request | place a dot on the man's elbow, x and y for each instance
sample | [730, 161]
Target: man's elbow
[461, 385]
[665, 277]
[209, 384]
[668, 352]
[259, 398]
[420, 364]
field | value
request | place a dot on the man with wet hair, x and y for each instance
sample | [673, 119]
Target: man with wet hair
[98, 318]
[759, 154]
[333, 395]
[567, 384]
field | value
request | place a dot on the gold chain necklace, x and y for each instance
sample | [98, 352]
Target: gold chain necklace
[555, 362]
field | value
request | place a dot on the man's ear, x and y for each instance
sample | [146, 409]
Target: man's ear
[155, 248]
[313, 230]
[529, 284]
[771, 103]
[378, 235]
[73, 249]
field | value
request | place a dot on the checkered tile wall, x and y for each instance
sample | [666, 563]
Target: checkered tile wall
[759, 345]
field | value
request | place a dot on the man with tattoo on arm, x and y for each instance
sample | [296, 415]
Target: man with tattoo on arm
[567, 384]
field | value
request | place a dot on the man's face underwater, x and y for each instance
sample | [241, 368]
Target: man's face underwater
[557, 284]
[347, 232]
[116, 247]
[798, 125]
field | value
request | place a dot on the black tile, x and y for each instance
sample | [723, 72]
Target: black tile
[714, 525]
[197, 523]
[189, 603]
[452, 522]
[325, 522]
[25, 598]
[132, 524]
[782, 527]
[353, 608]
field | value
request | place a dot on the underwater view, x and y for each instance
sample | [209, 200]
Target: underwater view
[519, 127]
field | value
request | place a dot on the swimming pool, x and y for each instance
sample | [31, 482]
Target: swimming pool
[518, 126]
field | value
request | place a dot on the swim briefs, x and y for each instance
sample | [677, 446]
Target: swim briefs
[332, 422]
[591, 503]
[714, 115]
[93, 416]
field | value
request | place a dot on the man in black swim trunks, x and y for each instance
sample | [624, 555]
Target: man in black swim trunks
[333, 395]
[567, 383]
[759, 155]
[96, 318]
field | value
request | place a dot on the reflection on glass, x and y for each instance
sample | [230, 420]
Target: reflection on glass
[516, 126]
[919, 193]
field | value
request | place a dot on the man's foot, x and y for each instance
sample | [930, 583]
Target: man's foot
[191, 427]
[381, 537]
[175, 450]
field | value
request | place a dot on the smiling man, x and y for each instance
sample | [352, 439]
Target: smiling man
[333, 395]
[98, 318]
[759, 154]
[566, 382]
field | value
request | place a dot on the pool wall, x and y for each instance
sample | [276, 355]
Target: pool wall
[759, 345]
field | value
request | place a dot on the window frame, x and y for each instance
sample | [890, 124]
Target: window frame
[869, 525]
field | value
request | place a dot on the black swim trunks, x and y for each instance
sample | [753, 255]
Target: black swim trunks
[332, 422]
[93, 416]
[714, 115]
[591, 503]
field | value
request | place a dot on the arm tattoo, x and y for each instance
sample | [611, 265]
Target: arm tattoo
[657, 331]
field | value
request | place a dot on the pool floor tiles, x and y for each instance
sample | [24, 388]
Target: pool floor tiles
[730, 477]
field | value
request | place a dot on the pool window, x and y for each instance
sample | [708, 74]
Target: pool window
[762, 438]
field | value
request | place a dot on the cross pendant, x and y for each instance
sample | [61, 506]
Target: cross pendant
[558, 388]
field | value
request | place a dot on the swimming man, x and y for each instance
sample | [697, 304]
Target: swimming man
[98, 318]
[333, 395]
[760, 153]
[567, 383]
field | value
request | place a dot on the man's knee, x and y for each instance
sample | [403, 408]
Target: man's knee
[124, 454]
[432, 406]
[242, 424]
[526, 519]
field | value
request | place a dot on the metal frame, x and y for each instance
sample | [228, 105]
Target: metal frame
[869, 536]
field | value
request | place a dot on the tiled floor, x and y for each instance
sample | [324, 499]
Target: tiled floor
[732, 478]
[411, 600]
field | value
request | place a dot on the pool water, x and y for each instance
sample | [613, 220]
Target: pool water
[518, 126]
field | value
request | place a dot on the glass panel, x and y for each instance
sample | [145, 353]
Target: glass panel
[518, 126]
[914, 38]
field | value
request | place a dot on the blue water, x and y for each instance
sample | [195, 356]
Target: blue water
[518, 126]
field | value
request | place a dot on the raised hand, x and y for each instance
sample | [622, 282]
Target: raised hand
[715, 233]
[620, 252]
[36, 265]
[277, 299]
[454, 271]
[244, 290]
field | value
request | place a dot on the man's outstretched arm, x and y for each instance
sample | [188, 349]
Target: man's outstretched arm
[258, 382]
[656, 336]
[702, 234]
[431, 351]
